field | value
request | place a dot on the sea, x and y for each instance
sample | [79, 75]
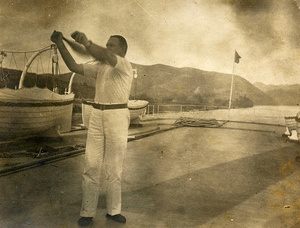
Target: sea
[263, 114]
[275, 115]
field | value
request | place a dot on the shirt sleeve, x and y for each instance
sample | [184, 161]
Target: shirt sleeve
[123, 66]
[90, 70]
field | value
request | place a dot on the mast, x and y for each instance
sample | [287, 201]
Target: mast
[231, 88]
[236, 60]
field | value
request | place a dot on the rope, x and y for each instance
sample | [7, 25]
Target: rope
[25, 59]
[20, 52]
[15, 60]
[12, 52]
[10, 61]
[197, 122]
[39, 63]
[50, 60]
[42, 66]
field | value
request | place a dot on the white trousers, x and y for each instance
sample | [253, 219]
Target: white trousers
[106, 144]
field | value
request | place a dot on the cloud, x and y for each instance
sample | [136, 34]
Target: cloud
[198, 33]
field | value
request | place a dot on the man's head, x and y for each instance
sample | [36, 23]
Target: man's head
[117, 45]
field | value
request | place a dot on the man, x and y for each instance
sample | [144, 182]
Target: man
[109, 121]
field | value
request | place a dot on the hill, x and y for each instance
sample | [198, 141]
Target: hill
[163, 84]
[282, 94]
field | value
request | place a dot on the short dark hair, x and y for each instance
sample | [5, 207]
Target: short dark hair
[123, 42]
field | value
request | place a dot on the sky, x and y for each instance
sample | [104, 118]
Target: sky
[202, 34]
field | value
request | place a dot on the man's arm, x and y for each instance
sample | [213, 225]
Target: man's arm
[57, 38]
[98, 52]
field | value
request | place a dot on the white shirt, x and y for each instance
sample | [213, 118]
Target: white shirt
[113, 84]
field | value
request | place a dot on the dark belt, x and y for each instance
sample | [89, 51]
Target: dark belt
[105, 107]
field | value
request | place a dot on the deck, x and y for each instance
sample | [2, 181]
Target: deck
[237, 175]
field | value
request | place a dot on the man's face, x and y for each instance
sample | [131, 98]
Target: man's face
[113, 44]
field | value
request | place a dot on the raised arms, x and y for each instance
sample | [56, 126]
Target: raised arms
[57, 38]
[107, 54]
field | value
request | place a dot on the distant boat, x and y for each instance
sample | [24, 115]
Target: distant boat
[137, 108]
[28, 112]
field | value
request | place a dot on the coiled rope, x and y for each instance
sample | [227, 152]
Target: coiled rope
[197, 122]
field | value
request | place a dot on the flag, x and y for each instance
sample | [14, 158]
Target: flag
[237, 57]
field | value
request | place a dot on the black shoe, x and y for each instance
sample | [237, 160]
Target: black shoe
[85, 221]
[117, 218]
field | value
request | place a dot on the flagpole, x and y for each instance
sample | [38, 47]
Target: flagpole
[232, 76]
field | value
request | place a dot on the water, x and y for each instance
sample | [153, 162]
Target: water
[258, 114]
[263, 114]
[278, 110]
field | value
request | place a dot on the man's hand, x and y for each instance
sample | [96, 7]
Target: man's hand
[80, 38]
[56, 37]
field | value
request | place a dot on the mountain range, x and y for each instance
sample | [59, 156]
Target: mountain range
[164, 84]
[282, 94]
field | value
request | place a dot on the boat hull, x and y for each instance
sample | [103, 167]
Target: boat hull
[137, 108]
[32, 112]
